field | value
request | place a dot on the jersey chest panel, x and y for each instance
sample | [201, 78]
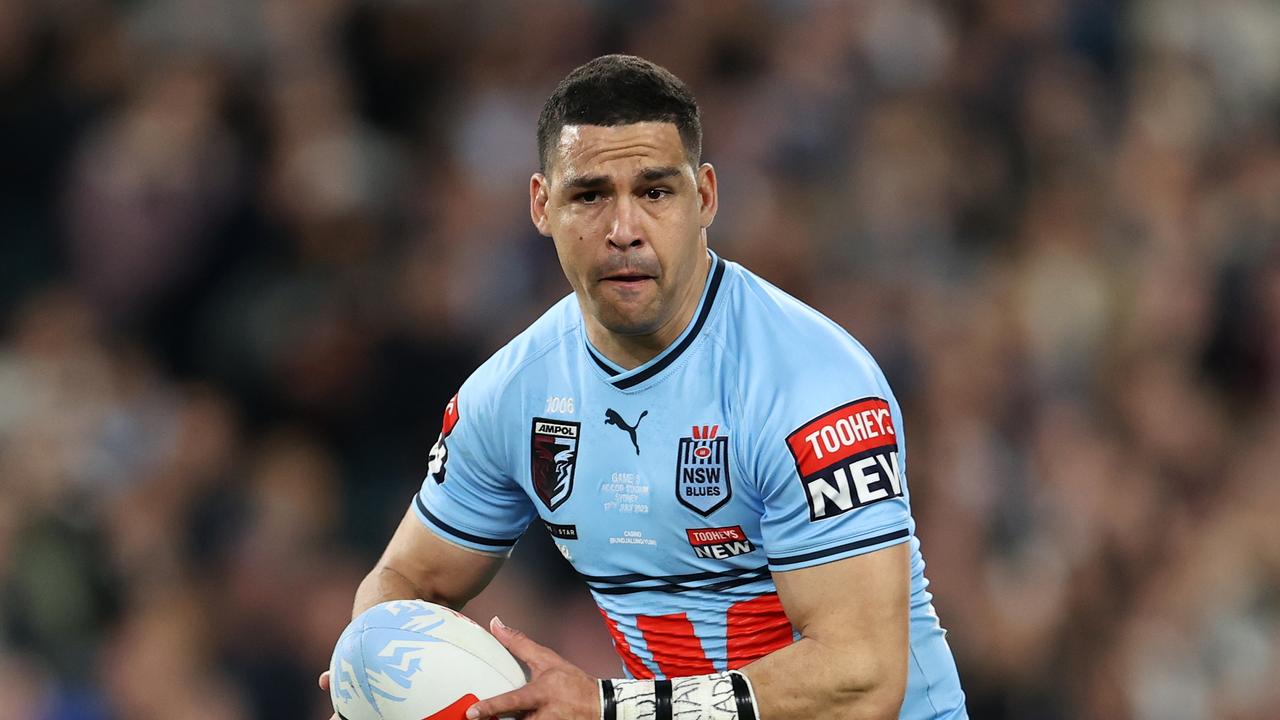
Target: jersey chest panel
[644, 482]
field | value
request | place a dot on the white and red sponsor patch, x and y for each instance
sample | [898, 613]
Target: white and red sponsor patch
[439, 455]
[450, 417]
[719, 542]
[840, 434]
[715, 536]
[847, 457]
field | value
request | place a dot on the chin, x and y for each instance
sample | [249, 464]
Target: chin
[628, 323]
[628, 319]
[629, 326]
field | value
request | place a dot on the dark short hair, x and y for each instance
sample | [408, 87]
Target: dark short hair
[620, 90]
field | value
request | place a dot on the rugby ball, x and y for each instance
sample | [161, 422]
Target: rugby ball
[415, 660]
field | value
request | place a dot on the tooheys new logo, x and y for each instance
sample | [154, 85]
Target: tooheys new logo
[439, 455]
[847, 458]
[719, 543]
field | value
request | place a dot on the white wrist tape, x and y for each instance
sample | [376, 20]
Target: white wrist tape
[721, 696]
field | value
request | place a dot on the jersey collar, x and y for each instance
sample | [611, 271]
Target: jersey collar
[626, 379]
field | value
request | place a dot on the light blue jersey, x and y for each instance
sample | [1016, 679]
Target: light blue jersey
[764, 439]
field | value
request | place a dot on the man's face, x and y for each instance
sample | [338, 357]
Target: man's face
[628, 215]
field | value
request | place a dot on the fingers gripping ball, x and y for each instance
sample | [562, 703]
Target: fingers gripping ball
[415, 660]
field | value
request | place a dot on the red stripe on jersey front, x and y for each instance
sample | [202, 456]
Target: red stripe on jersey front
[757, 627]
[674, 646]
[456, 711]
[634, 664]
[842, 433]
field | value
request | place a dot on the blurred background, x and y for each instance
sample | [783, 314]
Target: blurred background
[249, 249]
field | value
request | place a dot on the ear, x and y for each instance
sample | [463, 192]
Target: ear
[708, 200]
[538, 196]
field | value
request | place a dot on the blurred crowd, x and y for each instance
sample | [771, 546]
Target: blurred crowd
[249, 248]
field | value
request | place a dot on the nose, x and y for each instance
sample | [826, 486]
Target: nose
[625, 231]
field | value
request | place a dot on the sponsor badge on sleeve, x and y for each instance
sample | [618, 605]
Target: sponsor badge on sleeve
[847, 458]
[439, 454]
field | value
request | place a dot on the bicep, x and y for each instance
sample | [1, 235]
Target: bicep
[853, 617]
[860, 601]
[439, 570]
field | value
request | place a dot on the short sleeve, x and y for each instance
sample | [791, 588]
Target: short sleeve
[470, 496]
[830, 465]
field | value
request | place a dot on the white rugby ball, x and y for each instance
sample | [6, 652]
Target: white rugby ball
[415, 660]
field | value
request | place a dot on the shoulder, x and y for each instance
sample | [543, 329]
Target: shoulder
[795, 371]
[526, 353]
[786, 343]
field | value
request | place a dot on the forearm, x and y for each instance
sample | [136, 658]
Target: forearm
[418, 565]
[811, 678]
[383, 584]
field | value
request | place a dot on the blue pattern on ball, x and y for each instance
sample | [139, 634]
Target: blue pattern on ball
[376, 629]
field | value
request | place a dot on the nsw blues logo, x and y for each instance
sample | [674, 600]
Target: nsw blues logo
[702, 470]
[554, 459]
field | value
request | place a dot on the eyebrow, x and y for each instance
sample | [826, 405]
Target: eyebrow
[580, 182]
[654, 174]
[649, 174]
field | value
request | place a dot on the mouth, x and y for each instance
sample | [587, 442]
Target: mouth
[626, 279]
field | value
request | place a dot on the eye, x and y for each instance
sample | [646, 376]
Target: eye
[588, 197]
[656, 193]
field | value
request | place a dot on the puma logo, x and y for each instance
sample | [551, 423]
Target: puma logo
[611, 417]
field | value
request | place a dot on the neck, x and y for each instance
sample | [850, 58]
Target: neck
[632, 351]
